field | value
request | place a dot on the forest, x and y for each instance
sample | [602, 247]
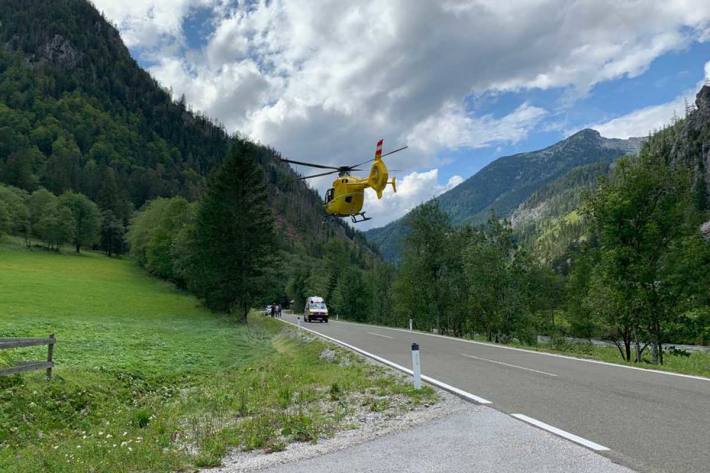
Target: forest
[81, 121]
[95, 154]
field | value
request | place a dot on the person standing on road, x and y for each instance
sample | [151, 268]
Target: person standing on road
[273, 310]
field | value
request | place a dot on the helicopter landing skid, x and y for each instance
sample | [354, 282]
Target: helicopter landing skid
[362, 216]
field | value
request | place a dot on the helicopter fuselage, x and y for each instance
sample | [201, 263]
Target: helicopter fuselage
[346, 197]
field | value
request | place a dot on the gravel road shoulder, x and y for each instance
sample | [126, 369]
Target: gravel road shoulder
[369, 426]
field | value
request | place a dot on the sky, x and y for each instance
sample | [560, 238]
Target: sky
[461, 82]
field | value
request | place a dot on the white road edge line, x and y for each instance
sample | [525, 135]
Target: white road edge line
[508, 364]
[380, 335]
[446, 387]
[574, 438]
[556, 355]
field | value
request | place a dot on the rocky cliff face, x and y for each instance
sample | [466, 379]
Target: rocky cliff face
[699, 122]
[691, 143]
[60, 51]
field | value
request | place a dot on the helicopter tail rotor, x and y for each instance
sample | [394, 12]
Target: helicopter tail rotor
[394, 184]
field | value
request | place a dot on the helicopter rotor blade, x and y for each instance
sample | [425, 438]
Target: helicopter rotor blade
[313, 165]
[303, 178]
[395, 151]
[386, 154]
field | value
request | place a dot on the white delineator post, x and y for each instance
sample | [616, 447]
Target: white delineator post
[299, 322]
[416, 366]
[410, 325]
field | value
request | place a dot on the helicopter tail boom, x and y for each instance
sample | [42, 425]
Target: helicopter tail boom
[378, 172]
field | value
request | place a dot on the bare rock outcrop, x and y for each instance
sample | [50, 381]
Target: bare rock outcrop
[705, 230]
[59, 51]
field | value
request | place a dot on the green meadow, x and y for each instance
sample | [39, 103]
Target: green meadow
[148, 380]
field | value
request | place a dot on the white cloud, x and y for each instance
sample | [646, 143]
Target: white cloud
[412, 190]
[149, 23]
[645, 120]
[323, 80]
[453, 128]
[380, 68]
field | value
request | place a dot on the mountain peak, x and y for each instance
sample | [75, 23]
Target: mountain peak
[585, 133]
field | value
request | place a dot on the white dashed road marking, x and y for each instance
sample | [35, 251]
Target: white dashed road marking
[508, 364]
[380, 335]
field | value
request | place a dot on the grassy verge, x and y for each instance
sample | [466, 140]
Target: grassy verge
[698, 363]
[147, 380]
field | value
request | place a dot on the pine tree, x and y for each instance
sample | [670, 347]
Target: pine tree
[112, 234]
[233, 240]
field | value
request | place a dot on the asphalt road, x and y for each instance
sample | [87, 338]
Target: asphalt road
[651, 422]
[474, 441]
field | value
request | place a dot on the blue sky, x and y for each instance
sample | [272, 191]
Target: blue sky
[462, 82]
[668, 77]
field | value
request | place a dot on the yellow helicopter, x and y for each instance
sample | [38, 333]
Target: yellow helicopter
[346, 197]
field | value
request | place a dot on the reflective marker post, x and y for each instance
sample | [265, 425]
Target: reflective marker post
[299, 322]
[416, 366]
[410, 325]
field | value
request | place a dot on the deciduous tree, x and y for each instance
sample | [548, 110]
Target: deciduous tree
[86, 219]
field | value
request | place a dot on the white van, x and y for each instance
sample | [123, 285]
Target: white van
[315, 310]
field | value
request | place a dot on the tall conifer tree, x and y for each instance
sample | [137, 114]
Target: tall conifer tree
[233, 241]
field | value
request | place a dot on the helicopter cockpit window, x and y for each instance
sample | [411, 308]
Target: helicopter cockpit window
[329, 194]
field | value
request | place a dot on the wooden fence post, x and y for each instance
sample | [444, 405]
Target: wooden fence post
[50, 353]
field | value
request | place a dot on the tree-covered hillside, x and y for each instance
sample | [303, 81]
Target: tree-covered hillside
[78, 114]
[550, 220]
[508, 181]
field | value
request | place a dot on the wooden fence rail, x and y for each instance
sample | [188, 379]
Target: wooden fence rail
[7, 343]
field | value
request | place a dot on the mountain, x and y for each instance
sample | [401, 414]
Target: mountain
[507, 182]
[78, 113]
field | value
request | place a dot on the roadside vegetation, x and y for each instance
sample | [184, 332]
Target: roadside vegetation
[674, 360]
[148, 380]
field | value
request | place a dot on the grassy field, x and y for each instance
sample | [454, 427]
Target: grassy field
[147, 380]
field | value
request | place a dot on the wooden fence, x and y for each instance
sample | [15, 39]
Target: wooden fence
[7, 343]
